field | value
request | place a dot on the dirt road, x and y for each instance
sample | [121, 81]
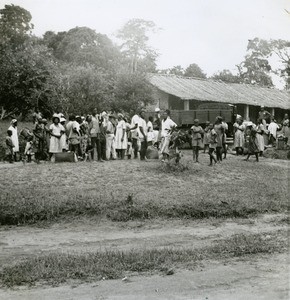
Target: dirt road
[256, 277]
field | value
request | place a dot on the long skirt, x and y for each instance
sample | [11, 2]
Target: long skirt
[239, 139]
[261, 144]
[55, 145]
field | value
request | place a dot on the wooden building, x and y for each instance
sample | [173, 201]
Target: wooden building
[205, 98]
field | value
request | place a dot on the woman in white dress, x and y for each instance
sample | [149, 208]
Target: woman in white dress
[121, 137]
[56, 132]
[14, 137]
[239, 136]
[260, 129]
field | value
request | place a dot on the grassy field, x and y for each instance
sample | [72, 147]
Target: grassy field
[55, 197]
[128, 190]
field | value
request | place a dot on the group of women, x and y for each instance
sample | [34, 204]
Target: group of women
[254, 137]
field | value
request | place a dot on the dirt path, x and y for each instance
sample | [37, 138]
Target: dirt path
[263, 278]
[258, 277]
[89, 235]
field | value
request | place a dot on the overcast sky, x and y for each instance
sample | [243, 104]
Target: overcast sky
[211, 33]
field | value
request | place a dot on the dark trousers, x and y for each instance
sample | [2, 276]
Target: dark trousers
[135, 147]
[143, 150]
[96, 144]
[121, 153]
[195, 152]
[102, 149]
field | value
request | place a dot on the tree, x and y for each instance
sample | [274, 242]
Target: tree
[15, 26]
[134, 35]
[82, 46]
[256, 69]
[84, 88]
[226, 76]
[132, 92]
[193, 70]
[281, 49]
[27, 79]
[176, 70]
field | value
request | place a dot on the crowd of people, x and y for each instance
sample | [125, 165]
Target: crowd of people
[110, 136]
[116, 136]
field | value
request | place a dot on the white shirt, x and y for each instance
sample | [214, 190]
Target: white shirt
[149, 126]
[142, 123]
[166, 126]
[273, 127]
[134, 121]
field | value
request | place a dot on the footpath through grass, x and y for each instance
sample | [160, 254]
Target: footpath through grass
[57, 268]
[128, 190]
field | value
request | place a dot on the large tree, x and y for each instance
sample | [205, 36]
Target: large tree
[257, 67]
[135, 36]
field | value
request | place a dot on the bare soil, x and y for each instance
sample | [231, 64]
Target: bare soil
[251, 277]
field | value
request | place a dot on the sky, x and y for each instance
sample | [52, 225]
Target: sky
[212, 33]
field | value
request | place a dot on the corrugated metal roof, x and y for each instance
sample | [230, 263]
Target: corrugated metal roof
[217, 91]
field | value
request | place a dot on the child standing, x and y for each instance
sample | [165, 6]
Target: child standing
[212, 144]
[9, 147]
[206, 136]
[28, 152]
[253, 148]
[197, 133]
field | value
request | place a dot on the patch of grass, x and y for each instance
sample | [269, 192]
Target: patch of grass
[49, 192]
[59, 267]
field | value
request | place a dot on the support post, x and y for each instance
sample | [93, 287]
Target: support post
[273, 112]
[246, 113]
[186, 104]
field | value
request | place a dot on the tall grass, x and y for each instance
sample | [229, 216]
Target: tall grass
[59, 267]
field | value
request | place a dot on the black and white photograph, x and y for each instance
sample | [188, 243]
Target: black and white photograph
[144, 149]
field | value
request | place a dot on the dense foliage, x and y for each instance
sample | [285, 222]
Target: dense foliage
[73, 71]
